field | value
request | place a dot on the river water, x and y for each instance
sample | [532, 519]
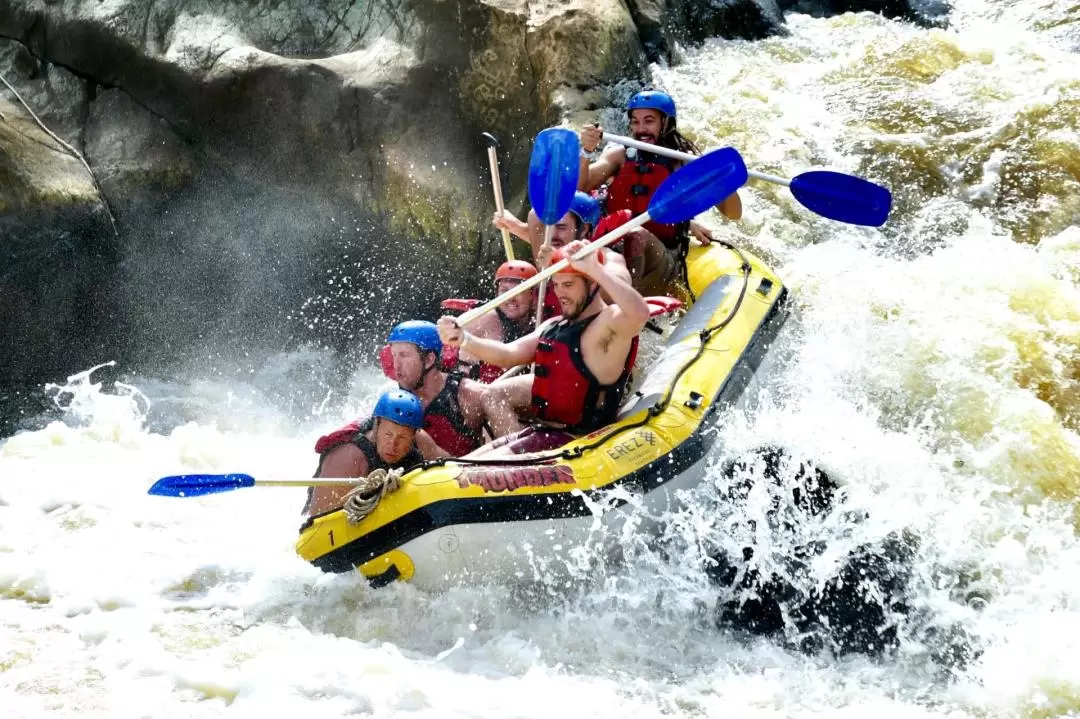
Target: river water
[931, 367]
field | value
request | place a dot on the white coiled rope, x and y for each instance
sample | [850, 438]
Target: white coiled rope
[362, 500]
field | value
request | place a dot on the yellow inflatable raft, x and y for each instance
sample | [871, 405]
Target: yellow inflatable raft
[464, 521]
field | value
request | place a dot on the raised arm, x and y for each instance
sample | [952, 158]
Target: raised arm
[593, 174]
[627, 312]
[731, 207]
[500, 354]
[511, 224]
[486, 327]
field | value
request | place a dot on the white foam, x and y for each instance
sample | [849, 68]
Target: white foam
[928, 366]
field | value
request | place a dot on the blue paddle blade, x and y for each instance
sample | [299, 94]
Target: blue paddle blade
[697, 186]
[196, 485]
[553, 173]
[842, 197]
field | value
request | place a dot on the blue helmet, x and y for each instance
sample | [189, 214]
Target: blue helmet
[652, 100]
[586, 208]
[418, 332]
[400, 407]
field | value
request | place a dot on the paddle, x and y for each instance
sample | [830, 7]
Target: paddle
[553, 180]
[496, 185]
[688, 192]
[834, 195]
[196, 485]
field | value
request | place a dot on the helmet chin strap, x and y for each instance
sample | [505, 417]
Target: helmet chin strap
[589, 298]
[423, 376]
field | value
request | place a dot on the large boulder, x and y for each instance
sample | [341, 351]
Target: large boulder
[57, 241]
[274, 165]
[751, 19]
[136, 156]
[663, 23]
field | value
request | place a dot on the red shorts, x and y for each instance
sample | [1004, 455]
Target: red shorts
[532, 439]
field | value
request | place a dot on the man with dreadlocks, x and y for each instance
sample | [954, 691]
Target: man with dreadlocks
[656, 254]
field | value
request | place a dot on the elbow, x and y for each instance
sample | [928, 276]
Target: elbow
[732, 207]
[639, 313]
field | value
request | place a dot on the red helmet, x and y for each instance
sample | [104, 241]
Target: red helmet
[558, 256]
[610, 222]
[519, 270]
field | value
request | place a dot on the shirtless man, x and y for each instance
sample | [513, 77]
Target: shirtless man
[513, 319]
[583, 359]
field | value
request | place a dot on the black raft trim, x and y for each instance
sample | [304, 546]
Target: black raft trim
[564, 505]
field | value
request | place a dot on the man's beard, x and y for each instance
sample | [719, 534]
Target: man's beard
[412, 386]
[573, 314]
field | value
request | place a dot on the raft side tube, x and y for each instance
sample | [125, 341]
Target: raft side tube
[642, 452]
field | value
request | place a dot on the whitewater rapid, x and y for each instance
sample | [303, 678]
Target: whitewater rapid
[930, 366]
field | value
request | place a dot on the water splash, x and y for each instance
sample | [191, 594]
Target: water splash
[929, 368]
[84, 403]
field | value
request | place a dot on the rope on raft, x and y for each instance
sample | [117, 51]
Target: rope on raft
[362, 500]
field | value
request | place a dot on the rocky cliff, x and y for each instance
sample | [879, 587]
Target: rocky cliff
[259, 172]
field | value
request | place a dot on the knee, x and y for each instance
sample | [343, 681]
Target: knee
[495, 399]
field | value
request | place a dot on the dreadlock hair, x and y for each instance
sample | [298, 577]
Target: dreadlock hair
[675, 140]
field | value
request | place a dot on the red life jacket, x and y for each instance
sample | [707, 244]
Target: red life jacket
[633, 186]
[564, 391]
[445, 422]
[340, 436]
